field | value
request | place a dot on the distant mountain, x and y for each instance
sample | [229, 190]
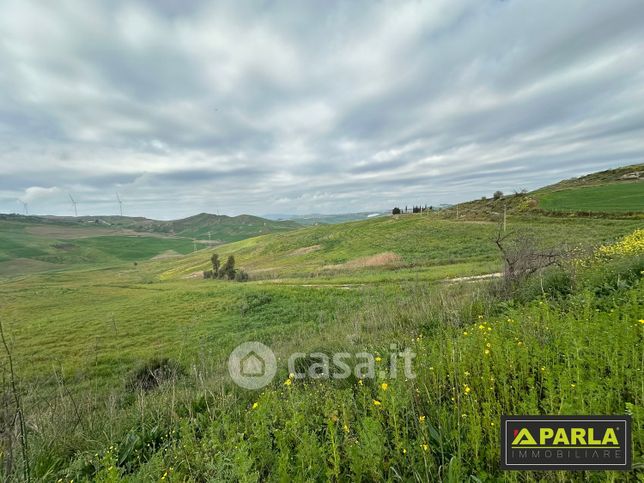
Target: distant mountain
[42, 243]
[221, 228]
[323, 219]
[204, 226]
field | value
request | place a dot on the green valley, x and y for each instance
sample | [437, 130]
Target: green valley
[80, 339]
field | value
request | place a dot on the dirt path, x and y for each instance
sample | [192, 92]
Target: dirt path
[352, 286]
[473, 278]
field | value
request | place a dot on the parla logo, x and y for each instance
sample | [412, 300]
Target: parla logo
[564, 437]
[566, 442]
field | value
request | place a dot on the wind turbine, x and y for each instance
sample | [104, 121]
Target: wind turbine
[118, 198]
[25, 206]
[74, 204]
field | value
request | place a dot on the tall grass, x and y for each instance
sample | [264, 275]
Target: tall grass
[555, 348]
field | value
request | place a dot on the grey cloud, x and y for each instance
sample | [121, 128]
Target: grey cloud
[336, 106]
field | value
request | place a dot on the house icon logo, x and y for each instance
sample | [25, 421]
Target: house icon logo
[252, 365]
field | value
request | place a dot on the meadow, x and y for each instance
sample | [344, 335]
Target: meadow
[29, 247]
[611, 198]
[565, 342]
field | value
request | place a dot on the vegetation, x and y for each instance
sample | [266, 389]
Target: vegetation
[608, 194]
[565, 342]
[426, 246]
[39, 244]
[615, 198]
[27, 247]
[114, 371]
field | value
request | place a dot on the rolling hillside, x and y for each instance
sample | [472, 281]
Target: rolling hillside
[324, 219]
[34, 243]
[222, 228]
[413, 245]
[609, 198]
[611, 193]
[83, 338]
[79, 339]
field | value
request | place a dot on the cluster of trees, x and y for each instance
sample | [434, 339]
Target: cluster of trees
[415, 209]
[226, 271]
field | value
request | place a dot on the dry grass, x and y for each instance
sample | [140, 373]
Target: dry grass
[22, 266]
[385, 259]
[305, 250]
[166, 254]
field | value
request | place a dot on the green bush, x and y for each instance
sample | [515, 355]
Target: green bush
[153, 373]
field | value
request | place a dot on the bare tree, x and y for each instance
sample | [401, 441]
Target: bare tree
[522, 255]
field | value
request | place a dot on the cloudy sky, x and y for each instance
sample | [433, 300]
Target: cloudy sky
[310, 106]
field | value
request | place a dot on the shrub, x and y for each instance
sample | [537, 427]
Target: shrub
[215, 263]
[208, 274]
[395, 211]
[241, 276]
[228, 269]
[254, 301]
[497, 195]
[523, 256]
[153, 373]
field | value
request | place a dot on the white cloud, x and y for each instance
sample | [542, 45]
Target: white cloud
[311, 106]
[38, 193]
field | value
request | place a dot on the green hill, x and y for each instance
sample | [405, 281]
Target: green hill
[614, 192]
[402, 247]
[41, 243]
[220, 228]
[122, 369]
[609, 198]
[82, 339]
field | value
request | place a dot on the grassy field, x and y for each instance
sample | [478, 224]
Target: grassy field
[612, 198]
[79, 337]
[401, 247]
[608, 194]
[205, 226]
[27, 247]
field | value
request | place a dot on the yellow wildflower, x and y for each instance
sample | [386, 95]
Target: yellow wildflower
[629, 245]
[376, 402]
[255, 405]
[421, 419]
[425, 447]
[288, 382]
[384, 386]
